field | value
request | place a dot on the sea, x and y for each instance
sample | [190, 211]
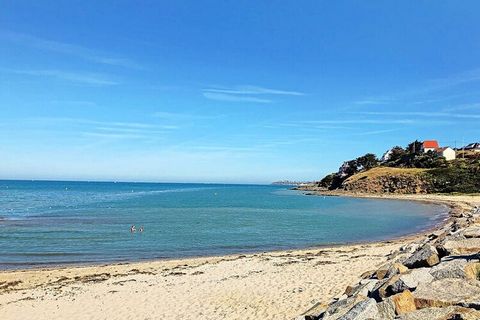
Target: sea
[50, 223]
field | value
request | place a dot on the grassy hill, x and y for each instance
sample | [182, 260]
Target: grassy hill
[407, 171]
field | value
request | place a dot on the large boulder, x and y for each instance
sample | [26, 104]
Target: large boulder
[455, 268]
[413, 278]
[364, 310]
[399, 283]
[404, 302]
[462, 246]
[383, 288]
[447, 313]
[314, 312]
[341, 307]
[362, 288]
[448, 292]
[471, 232]
[390, 269]
[425, 256]
[386, 309]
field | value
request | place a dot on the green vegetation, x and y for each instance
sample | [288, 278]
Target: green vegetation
[440, 176]
[461, 175]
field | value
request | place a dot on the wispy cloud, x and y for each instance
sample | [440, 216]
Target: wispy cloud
[472, 75]
[94, 79]
[375, 132]
[299, 125]
[184, 116]
[67, 49]
[422, 92]
[233, 98]
[246, 93]
[373, 101]
[102, 129]
[422, 114]
[462, 107]
[253, 90]
[361, 121]
[76, 103]
[113, 135]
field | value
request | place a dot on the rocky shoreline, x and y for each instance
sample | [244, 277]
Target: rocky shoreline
[435, 277]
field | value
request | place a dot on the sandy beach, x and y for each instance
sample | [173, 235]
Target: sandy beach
[271, 285]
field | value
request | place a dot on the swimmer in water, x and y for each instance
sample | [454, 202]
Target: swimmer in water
[140, 229]
[133, 229]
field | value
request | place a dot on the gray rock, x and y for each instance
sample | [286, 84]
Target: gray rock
[386, 309]
[450, 313]
[425, 256]
[314, 312]
[363, 288]
[340, 307]
[415, 277]
[471, 232]
[460, 247]
[395, 268]
[448, 292]
[410, 280]
[455, 268]
[364, 310]
[396, 287]
[428, 313]
[379, 291]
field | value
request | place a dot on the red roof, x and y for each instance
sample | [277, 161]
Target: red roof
[430, 144]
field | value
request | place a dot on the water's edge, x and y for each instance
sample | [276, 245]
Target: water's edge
[443, 218]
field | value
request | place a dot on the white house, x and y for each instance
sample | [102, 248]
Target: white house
[430, 145]
[446, 152]
[473, 147]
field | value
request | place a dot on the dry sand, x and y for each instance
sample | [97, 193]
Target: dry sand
[273, 285]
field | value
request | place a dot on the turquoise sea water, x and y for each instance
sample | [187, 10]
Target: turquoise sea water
[50, 223]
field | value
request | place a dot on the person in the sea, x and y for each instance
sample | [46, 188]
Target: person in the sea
[133, 229]
[140, 229]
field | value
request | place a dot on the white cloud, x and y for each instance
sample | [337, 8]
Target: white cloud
[422, 114]
[67, 49]
[253, 90]
[79, 77]
[422, 92]
[184, 116]
[246, 93]
[233, 98]
[463, 107]
[375, 132]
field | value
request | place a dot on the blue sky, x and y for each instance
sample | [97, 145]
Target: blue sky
[229, 91]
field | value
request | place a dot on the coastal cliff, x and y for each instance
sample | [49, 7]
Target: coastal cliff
[389, 180]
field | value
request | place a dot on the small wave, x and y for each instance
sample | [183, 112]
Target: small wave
[139, 193]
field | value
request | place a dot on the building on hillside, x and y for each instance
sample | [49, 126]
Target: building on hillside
[473, 147]
[430, 145]
[446, 152]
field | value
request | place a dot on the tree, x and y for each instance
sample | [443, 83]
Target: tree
[367, 161]
[429, 160]
[394, 156]
[415, 147]
[348, 168]
[327, 181]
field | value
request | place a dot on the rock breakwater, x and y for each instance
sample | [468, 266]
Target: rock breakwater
[436, 277]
